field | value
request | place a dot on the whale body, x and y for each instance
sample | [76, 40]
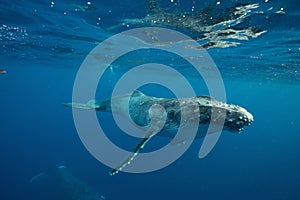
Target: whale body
[59, 183]
[160, 114]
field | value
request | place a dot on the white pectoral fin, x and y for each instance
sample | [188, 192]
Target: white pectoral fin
[158, 117]
[138, 149]
[133, 154]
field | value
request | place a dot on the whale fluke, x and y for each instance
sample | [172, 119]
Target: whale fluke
[88, 106]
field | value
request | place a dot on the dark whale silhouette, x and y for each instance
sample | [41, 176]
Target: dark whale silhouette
[59, 183]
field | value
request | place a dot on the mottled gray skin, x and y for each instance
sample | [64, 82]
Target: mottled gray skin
[157, 114]
[236, 117]
[205, 108]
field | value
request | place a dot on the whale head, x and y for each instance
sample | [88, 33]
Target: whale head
[233, 118]
[237, 118]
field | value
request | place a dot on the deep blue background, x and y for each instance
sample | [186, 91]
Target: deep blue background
[37, 133]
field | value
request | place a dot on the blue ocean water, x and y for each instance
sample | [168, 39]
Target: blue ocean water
[43, 44]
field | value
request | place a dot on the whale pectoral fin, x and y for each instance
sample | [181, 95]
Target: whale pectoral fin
[158, 117]
[127, 161]
[135, 152]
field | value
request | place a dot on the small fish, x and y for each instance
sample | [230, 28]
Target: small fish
[2, 71]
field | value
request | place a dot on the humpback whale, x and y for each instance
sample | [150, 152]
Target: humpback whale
[159, 114]
[2, 71]
[59, 183]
